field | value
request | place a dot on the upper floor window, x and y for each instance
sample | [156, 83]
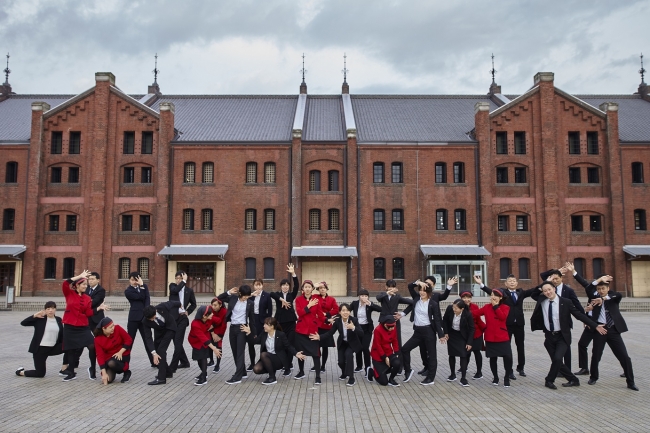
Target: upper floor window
[502, 143]
[379, 268]
[441, 219]
[73, 174]
[520, 175]
[522, 223]
[251, 172]
[398, 219]
[639, 219]
[593, 175]
[576, 223]
[145, 223]
[206, 219]
[397, 175]
[580, 264]
[524, 269]
[460, 219]
[11, 175]
[57, 143]
[502, 223]
[459, 172]
[269, 268]
[74, 146]
[127, 223]
[269, 219]
[314, 219]
[598, 266]
[574, 143]
[502, 174]
[378, 172]
[56, 175]
[520, 143]
[189, 173]
[441, 172]
[250, 222]
[8, 219]
[128, 145]
[269, 172]
[251, 264]
[147, 143]
[574, 175]
[333, 180]
[208, 172]
[145, 175]
[592, 143]
[595, 223]
[53, 223]
[71, 223]
[314, 180]
[50, 268]
[188, 219]
[379, 220]
[334, 220]
[129, 174]
[637, 172]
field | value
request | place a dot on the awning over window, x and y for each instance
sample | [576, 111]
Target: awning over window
[324, 251]
[637, 250]
[453, 250]
[12, 250]
[194, 250]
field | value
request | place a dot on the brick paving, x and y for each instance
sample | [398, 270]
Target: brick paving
[48, 404]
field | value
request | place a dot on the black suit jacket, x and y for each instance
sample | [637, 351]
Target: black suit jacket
[466, 323]
[97, 299]
[284, 315]
[39, 330]
[434, 315]
[283, 348]
[189, 300]
[369, 309]
[590, 288]
[232, 300]
[165, 310]
[389, 306]
[516, 313]
[567, 309]
[612, 305]
[567, 291]
[138, 301]
[436, 296]
[354, 337]
[266, 305]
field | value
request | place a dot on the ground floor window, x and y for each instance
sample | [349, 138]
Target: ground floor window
[465, 270]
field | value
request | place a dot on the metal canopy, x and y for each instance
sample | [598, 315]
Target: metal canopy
[453, 250]
[637, 250]
[12, 250]
[324, 251]
[194, 250]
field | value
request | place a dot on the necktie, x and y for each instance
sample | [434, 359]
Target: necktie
[160, 323]
[550, 316]
[610, 321]
[514, 297]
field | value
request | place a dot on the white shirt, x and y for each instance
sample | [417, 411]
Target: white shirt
[602, 318]
[361, 315]
[270, 344]
[51, 333]
[556, 313]
[559, 288]
[257, 304]
[159, 317]
[422, 313]
[181, 296]
[239, 313]
[455, 324]
[92, 289]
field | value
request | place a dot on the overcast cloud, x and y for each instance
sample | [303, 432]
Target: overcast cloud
[246, 46]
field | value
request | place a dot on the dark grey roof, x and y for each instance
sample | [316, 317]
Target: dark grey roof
[453, 250]
[16, 115]
[324, 119]
[398, 118]
[637, 250]
[194, 250]
[232, 118]
[12, 250]
[324, 251]
[633, 115]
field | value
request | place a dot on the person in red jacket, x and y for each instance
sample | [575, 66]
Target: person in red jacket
[113, 350]
[479, 327]
[497, 339]
[310, 317]
[201, 342]
[76, 333]
[330, 309]
[385, 354]
[219, 325]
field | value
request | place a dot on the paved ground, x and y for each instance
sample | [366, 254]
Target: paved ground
[292, 405]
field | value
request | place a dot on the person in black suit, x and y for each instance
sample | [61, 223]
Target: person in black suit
[555, 276]
[263, 308]
[389, 302]
[240, 314]
[284, 311]
[458, 324]
[178, 291]
[552, 315]
[362, 310]
[348, 343]
[606, 312]
[138, 296]
[513, 298]
[275, 350]
[47, 339]
[161, 320]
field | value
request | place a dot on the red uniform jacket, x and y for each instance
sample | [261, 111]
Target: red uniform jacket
[479, 324]
[219, 323]
[329, 307]
[309, 319]
[78, 308]
[496, 330]
[106, 347]
[384, 343]
[199, 336]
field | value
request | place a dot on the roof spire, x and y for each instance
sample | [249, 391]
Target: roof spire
[493, 71]
[7, 71]
[642, 71]
[155, 69]
[154, 89]
[495, 89]
[345, 89]
[303, 85]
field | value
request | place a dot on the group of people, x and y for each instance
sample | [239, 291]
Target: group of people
[306, 320]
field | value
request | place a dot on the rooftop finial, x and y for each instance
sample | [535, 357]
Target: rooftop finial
[155, 70]
[303, 70]
[345, 68]
[493, 71]
[641, 71]
[7, 71]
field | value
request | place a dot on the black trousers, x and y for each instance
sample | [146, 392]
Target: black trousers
[520, 334]
[289, 328]
[422, 335]
[384, 373]
[161, 345]
[254, 330]
[179, 352]
[346, 359]
[237, 346]
[268, 363]
[72, 357]
[557, 347]
[92, 356]
[363, 356]
[40, 358]
[615, 342]
[583, 346]
[132, 328]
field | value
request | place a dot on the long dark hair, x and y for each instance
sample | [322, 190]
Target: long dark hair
[272, 321]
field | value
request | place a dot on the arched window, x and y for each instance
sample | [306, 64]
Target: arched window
[250, 222]
[143, 268]
[524, 269]
[190, 172]
[398, 219]
[11, 175]
[68, 267]
[397, 172]
[598, 265]
[251, 172]
[269, 219]
[314, 180]
[333, 180]
[637, 172]
[581, 268]
[378, 172]
[505, 268]
[208, 172]
[314, 219]
[460, 220]
[50, 268]
[251, 264]
[8, 219]
[188, 219]
[124, 268]
[379, 218]
[441, 219]
[380, 268]
[639, 219]
[269, 268]
[269, 172]
[398, 268]
[459, 172]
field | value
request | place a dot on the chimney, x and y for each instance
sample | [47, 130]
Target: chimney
[303, 88]
[544, 76]
[101, 77]
[345, 89]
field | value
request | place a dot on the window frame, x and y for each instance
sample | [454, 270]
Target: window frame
[379, 268]
[397, 172]
[146, 147]
[397, 219]
[501, 143]
[520, 142]
[379, 219]
[378, 172]
[573, 139]
[442, 223]
[440, 172]
[128, 143]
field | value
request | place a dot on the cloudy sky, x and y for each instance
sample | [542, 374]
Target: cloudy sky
[393, 46]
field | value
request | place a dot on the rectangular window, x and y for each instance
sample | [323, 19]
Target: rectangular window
[251, 172]
[637, 172]
[524, 269]
[11, 176]
[147, 143]
[520, 174]
[251, 219]
[598, 266]
[580, 265]
[378, 172]
[145, 175]
[522, 223]
[398, 219]
[459, 219]
[459, 172]
[639, 219]
[128, 146]
[314, 180]
[127, 223]
[206, 219]
[71, 223]
[250, 268]
[188, 219]
[502, 143]
[143, 268]
[269, 219]
[189, 172]
[68, 267]
[334, 223]
[57, 143]
[574, 175]
[314, 219]
[208, 172]
[74, 147]
[333, 181]
[50, 268]
[396, 172]
[592, 143]
[520, 143]
[269, 172]
[125, 268]
[574, 143]
[8, 219]
[380, 269]
[505, 268]
[502, 223]
[54, 223]
[502, 174]
[379, 220]
[145, 223]
[441, 172]
[56, 175]
[269, 268]
[73, 174]
[576, 223]
[129, 174]
[441, 219]
[595, 223]
[593, 175]
[398, 268]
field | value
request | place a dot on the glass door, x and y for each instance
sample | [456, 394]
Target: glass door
[464, 270]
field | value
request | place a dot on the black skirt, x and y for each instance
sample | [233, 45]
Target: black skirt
[478, 343]
[495, 350]
[76, 337]
[456, 344]
[198, 354]
[306, 346]
[325, 342]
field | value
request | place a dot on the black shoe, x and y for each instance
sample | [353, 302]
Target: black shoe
[317, 381]
[202, 381]
[423, 372]
[427, 382]
[300, 375]
[351, 382]
[464, 382]
[392, 382]
[592, 381]
[622, 375]
[370, 375]
[451, 378]
[478, 375]
[233, 381]
[521, 373]
[459, 371]
[157, 381]
[63, 373]
[570, 383]
[216, 370]
[358, 369]
[632, 387]
[169, 375]
[270, 381]
[250, 367]
[495, 381]
[211, 363]
[312, 369]
[154, 366]
[512, 376]
[408, 374]
[550, 385]
[185, 365]
[91, 374]
[506, 382]
[582, 372]
[286, 373]
[173, 370]
[342, 377]
[20, 370]
[126, 377]
[197, 378]
[322, 369]
[70, 376]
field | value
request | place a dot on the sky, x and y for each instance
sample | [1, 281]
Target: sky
[392, 46]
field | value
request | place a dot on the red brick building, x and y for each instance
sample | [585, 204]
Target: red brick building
[354, 189]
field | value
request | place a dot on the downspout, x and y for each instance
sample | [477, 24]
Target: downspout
[478, 198]
[358, 219]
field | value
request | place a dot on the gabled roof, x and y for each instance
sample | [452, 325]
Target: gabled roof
[324, 119]
[633, 115]
[16, 115]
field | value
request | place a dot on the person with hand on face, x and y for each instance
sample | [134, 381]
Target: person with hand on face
[275, 350]
[138, 296]
[160, 318]
[479, 327]
[310, 316]
[179, 291]
[47, 339]
[263, 308]
[284, 312]
[497, 339]
[240, 314]
[330, 308]
[113, 346]
[219, 325]
[385, 353]
[201, 342]
[78, 308]
[458, 323]
[362, 310]
[389, 302]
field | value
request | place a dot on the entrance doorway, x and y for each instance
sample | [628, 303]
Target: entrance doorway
[7, 276]
[200, 276]
[333, 273]
[465, 270]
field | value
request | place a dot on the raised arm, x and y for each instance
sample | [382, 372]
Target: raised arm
[483, 287]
